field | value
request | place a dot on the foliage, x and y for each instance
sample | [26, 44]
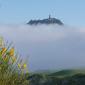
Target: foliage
[12, 67]
[43, 79]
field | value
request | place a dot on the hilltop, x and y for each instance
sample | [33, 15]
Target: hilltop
[46, 21]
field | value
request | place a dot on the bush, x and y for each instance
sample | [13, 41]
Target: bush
[12, 68]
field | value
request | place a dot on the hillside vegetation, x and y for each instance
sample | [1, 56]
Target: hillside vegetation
[64, 77]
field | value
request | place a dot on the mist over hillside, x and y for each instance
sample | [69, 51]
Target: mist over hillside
[48, 46]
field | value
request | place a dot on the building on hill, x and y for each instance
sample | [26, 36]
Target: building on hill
[46, 21]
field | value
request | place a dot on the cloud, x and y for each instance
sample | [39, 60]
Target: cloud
[49, 46]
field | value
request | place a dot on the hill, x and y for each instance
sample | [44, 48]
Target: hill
[64, 77]
[65, 73]
[46, 21]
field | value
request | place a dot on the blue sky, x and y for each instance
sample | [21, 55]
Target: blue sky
[71, 12]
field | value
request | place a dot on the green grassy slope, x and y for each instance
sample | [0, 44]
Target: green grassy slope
[64, 73]
[63, 77]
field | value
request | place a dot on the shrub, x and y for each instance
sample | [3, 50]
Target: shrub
[12, 67]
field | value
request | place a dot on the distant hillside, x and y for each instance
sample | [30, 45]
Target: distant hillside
[46, 21]
[65, 73]
[64, 77]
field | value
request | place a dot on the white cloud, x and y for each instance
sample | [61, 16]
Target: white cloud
[49, 46]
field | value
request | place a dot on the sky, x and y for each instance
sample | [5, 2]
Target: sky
[71, 12]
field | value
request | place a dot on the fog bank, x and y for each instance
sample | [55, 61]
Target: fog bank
[48, 46]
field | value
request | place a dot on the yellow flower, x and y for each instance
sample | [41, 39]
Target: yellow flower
[11, 52]
[3, 50]
[19, 66]
[24, 65]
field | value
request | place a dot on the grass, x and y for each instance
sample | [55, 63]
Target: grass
[12, 67]
[67, 73]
